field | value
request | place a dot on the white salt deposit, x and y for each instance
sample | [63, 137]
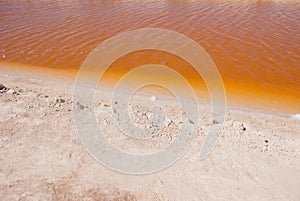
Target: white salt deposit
[153, 98]
[296, 116]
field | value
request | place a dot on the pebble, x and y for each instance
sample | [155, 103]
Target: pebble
[60, 100]
[80, 105]
[215, 121]
[243, 127]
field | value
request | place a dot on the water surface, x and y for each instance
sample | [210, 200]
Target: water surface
[255, 44]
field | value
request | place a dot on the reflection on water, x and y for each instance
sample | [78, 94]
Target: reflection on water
[255, 44]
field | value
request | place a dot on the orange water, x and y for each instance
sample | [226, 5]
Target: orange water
[255, 44]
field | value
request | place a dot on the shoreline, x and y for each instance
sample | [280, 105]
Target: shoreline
[236, 97]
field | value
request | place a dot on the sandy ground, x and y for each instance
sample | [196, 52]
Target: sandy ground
[257, 156]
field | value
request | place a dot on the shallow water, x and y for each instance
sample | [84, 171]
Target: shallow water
[255, 44]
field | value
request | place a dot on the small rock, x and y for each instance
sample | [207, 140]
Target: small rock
[80, 105]
[3, 88]
[11, 91]
[106, 105]
[266, 141]
[170, 123]
[243, 128]
[191, 122]
[215, 121]
[60, 100]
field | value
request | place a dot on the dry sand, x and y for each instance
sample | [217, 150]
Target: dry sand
[257, 156]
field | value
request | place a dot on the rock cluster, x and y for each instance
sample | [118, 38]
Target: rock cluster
[3, 88]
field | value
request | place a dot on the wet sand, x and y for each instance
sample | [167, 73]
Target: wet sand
[42, 158]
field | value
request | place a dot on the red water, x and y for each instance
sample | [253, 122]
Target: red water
[255, 44]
